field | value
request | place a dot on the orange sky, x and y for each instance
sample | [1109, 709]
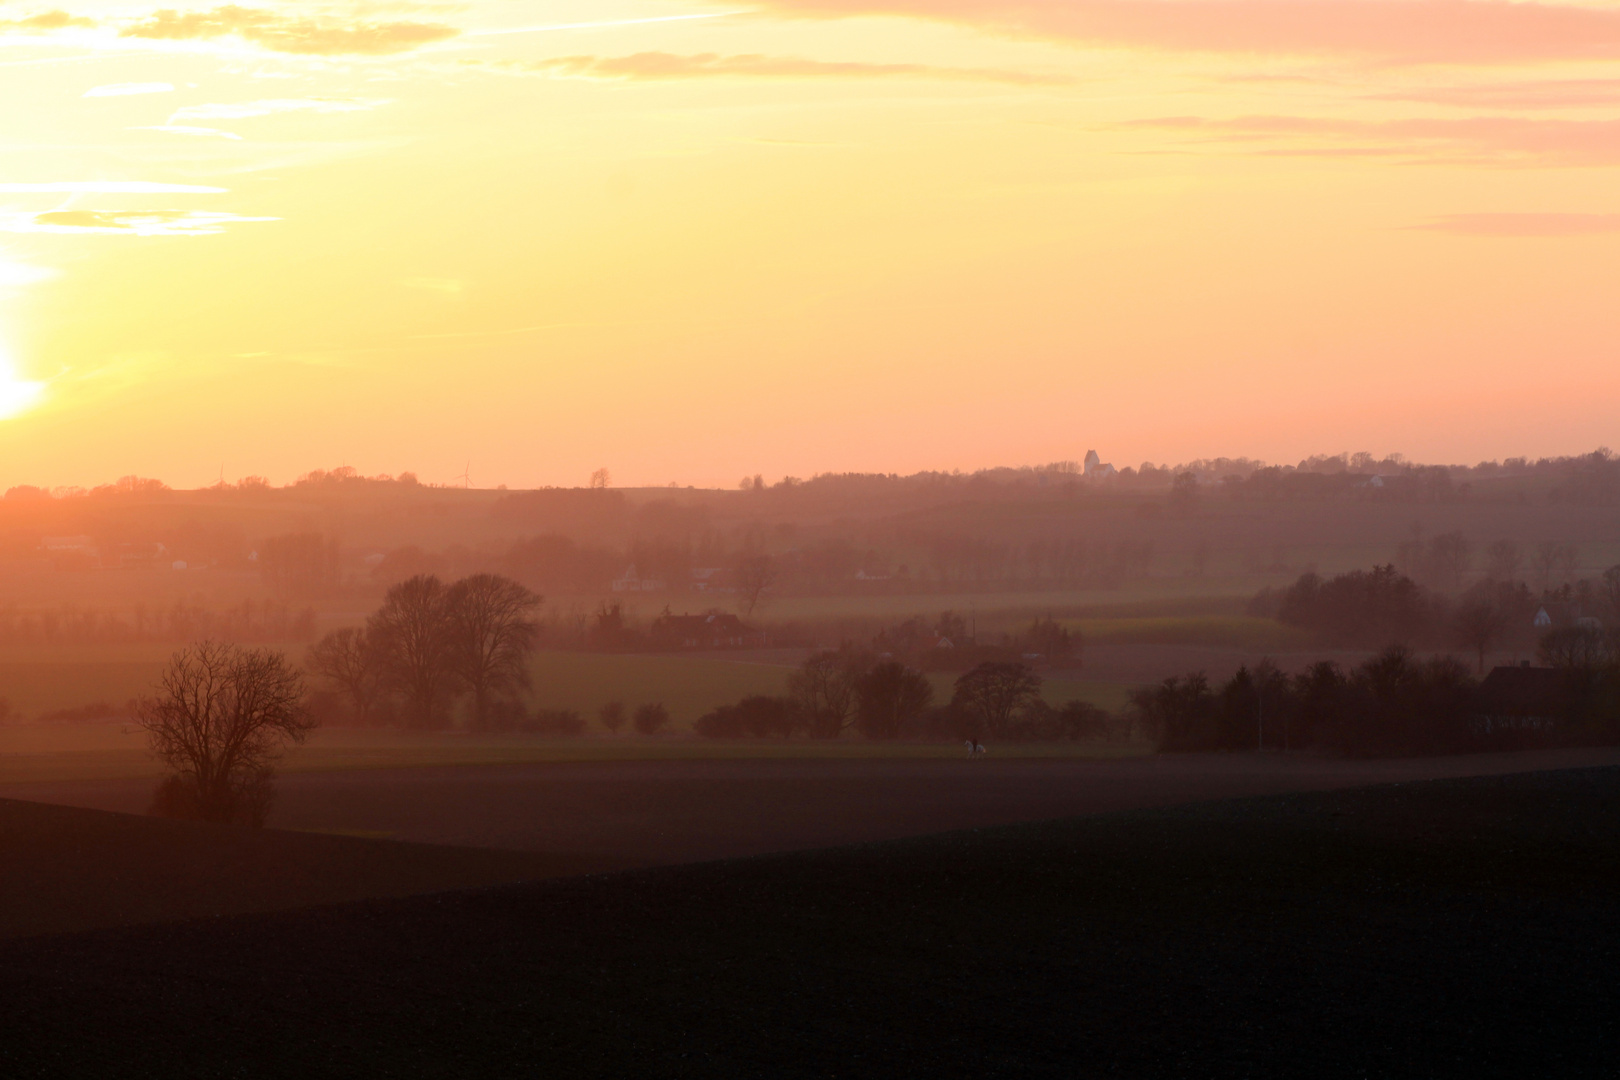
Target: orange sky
[690, 241]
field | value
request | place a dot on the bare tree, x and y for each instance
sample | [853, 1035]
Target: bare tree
[755, 574]
[824, 689]
[600, 479]
[492, 635]
[1580, 647]
[220, 720]
[413, 630]
[350, 659]
[1609, 590]
[888, 696]
[1554, 564]
[992, 693]
[1479, 624]
[612, 716]
[1504, 561]
[650, 719]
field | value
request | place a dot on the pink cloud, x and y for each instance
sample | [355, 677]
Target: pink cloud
[1511, 225]
[664, 66]
[1544, 94]
[1477, 139]
[1405, 30]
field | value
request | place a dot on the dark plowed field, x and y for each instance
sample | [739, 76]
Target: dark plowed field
[1450, 928]
[63, 869]
[661, 812]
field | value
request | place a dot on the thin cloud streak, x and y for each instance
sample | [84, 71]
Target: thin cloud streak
[1480, 140]
[661, 66]
[604, 24]
[268, 107]
[124, 222]
[1477, 31]
[46, 22]
[1521, 225]
[1545, 94]
[128, 89]
[285, 34]
[186, 129]
[108, 187]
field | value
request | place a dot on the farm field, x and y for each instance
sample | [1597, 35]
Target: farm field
[735, 801]
[55, 753]
[1453, 928]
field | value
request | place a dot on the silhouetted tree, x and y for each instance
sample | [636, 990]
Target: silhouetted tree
[414, 631]
[888, 697]
[351, 660]
[220, 719]
[1504, 560]
[651, 719]
[1184, 493]
[612, 716]
[492, 635]
[1479, 622]
[299, 564]
[1554, 564]
[824, 689]
[755, 574]
[1608, 590]
[1580, 647]
[992, 693]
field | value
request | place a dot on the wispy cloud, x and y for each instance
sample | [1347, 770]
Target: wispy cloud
[124, 222]
[664, 66]
[289, 34]
[187, 129]
[1477, 139]
[1541, 94]
[108, 187]
[1403, 30]
[1516, 225]
[601, 24]
[242, 110]
[128, 89]
[44, 23]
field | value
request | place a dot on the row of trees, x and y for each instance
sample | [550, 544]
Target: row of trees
[429, 643]
[249, 621]
[1364, 608]
[835, 691]
[1394, 703]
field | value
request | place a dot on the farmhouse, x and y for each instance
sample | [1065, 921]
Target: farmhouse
[1523, 698]
[711, 630]
[631, 581]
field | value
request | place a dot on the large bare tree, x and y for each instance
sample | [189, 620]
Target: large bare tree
[755, 574]
[889, 696]
[993, 693]
[350, 659]
[493, 632]
[825, 690]
[220, 719]
[413, 630]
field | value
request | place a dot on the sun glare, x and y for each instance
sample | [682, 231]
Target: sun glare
[16, 395]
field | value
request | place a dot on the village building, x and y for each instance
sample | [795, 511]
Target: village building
[711, 630]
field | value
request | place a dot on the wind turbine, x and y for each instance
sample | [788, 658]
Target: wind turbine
[466, 480]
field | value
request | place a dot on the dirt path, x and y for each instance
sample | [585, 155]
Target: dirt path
[663, 812]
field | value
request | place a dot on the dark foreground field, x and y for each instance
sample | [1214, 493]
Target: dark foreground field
[652, 812]
[1447, 928]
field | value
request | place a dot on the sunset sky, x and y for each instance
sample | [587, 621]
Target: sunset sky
[691, 241]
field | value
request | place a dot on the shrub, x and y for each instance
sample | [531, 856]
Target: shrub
[556, 722]
[650, 719]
